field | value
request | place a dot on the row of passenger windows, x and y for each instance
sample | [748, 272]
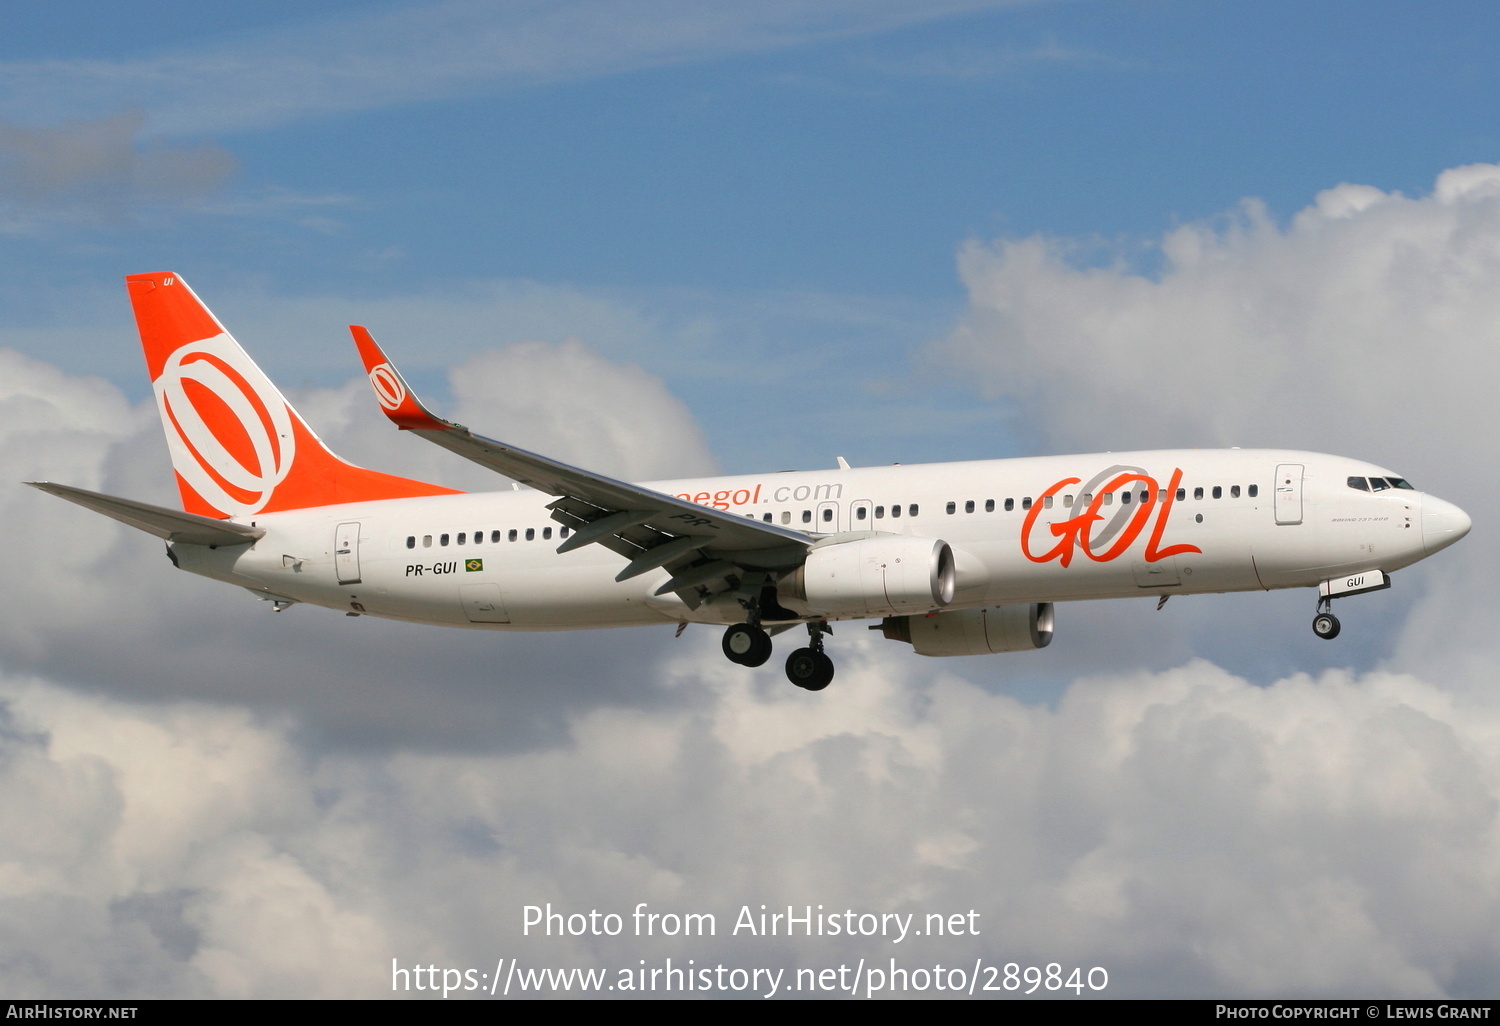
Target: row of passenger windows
[826, 514]
[861, 512]
[1126, 498]
[477, 538]
[1378, 484]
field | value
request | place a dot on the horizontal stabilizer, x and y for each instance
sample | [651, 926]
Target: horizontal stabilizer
[164, 523]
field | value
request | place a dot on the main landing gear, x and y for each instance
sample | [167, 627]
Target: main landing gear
[1325, 624]
[809, 668]
[747, 644]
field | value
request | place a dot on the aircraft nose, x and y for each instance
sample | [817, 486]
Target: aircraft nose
[1442, 523]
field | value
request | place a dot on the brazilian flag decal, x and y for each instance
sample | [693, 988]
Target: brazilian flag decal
[470, 565]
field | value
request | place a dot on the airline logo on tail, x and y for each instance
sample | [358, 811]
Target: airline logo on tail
[237, 445]
[227, 425]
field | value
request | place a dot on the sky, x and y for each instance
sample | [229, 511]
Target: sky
[658, 238]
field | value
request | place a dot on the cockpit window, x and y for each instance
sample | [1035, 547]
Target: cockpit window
[1378, 484]
[1400, 482]
[1359, 482]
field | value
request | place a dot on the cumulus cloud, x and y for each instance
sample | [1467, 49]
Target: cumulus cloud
[1367, 323]
[1189, 832]
[92, 171]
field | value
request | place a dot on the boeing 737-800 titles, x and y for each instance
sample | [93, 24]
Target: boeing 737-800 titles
[952, 558]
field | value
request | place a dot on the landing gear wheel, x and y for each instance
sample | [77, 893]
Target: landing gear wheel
[747, 645]
[1326, 626]
[809, 670]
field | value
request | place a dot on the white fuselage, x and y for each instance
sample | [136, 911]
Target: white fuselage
[1040, 529]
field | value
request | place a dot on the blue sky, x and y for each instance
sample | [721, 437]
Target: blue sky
[764, 235]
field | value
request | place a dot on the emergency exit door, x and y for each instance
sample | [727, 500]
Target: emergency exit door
[1289, 493]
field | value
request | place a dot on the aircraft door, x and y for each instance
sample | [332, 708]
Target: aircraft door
[346, 552]
[827, 521]
[859, 515]
[1289, 493]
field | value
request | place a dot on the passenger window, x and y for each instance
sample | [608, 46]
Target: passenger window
[807, 516]
[426, 541]
[461, 537]
[1010, 504]
[564, 532]
[895, 511]
[969, 506]
[952, 507]
[879, 512]
[411, 541]
[861, 513]
[546, 532]
[1109, 498]
[442, 539]
[989, 505]
[531, 534]
[1047, 502]
[1088, 499]
[786, 516]
[1181, 494]
[1218, 492]
[1067, 502]
[1026, 502]
[1254, 491]
[1234, 491]
[827, 515]
[767, 518]
[1124, 498]
[911, 510]
[512, 535]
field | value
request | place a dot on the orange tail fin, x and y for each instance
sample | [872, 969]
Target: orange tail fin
[237, 445]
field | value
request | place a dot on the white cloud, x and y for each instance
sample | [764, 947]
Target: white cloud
[1367, 324]
[1189, 832]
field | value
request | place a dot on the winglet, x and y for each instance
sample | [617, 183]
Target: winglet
[395, 396]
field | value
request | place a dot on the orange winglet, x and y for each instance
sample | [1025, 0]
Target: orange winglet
[395, 396]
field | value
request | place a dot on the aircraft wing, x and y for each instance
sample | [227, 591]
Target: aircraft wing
[703, 547]
[168, 524]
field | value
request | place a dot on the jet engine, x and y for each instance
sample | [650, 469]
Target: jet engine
[881, 576]
[964, 632]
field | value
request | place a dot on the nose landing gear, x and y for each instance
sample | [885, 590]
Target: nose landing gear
[1325, 624]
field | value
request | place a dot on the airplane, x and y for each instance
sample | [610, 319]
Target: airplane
[953, 559]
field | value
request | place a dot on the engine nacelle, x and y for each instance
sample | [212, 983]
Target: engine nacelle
[882, 576]
[964, 632]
